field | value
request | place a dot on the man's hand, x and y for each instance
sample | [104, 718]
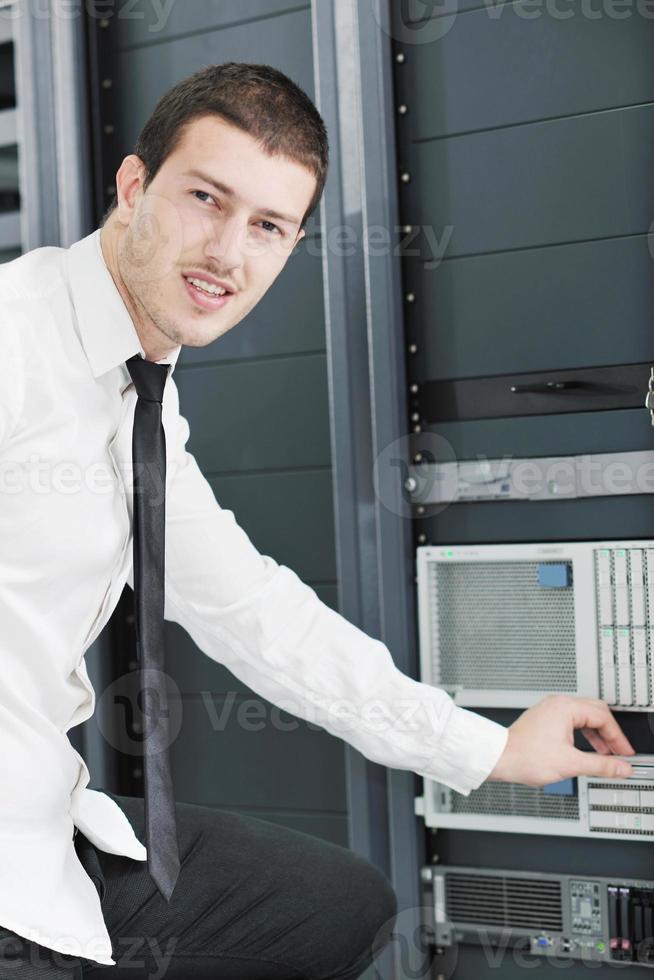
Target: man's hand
[540, 747]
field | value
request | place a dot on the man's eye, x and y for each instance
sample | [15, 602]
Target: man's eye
[206, 194]
[271, 227]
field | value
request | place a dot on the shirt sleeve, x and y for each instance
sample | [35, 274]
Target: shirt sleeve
[271, 630]
[11, 380]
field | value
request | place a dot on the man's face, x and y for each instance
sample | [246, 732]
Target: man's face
[183, 226]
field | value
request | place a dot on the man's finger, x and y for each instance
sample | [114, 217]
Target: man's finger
[607, 766]
[595, 739]
[587, 713]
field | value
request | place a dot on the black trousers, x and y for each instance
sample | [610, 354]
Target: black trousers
[253, 901]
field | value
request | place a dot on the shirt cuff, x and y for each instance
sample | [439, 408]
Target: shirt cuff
[468, 751]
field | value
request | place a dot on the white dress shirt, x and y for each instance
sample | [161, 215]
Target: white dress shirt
[66, 413]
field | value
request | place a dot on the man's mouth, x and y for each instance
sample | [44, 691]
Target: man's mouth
[206, 294]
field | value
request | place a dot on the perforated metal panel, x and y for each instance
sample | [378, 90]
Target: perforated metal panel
[510, 799]
[529, 903]
[493, 626]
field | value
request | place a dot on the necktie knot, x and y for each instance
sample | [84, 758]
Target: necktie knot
[149, 378]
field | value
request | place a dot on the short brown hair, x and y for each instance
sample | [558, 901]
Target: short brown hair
[258, 99]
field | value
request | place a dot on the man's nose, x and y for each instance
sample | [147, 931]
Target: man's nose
[226, 246]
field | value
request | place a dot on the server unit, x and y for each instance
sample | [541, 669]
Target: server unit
[504, 625]
[559, 916]
[584, 807]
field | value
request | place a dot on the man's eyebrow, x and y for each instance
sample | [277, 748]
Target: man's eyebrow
[230, 192]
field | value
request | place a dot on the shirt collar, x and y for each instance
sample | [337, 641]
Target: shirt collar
[107, 331]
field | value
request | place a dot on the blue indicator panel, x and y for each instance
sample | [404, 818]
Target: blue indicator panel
[555, 576]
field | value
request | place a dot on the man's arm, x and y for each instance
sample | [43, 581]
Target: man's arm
[271, 630]
[11, 380]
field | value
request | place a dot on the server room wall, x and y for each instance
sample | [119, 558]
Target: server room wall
[527, 139]
[266, 453]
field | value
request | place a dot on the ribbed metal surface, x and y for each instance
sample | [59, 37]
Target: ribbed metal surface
[493, 626]
[528, 903]
[511, 799]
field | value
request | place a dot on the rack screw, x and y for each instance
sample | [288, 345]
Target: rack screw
[109, 128]
[413, 348]
[417, 428]
[422, 538]
[406, 177]
[414, 389]
[407, 229]
[410, 297]
[417, 458]
[400, 57]
[402, 109]
[107, 82]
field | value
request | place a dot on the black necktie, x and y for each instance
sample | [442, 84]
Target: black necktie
[149, 466]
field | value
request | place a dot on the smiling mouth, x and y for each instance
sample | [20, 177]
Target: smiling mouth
[213, 298]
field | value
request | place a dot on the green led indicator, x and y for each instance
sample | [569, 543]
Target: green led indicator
[621, 553]
[449, 554]
[600, 947]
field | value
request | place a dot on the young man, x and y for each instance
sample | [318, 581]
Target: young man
[208, 209]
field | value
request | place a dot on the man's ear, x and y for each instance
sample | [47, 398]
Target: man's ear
[129, 182]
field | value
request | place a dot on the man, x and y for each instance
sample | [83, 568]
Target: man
[208, 209]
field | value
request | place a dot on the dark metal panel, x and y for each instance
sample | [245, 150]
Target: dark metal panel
[546, 435]
[560, 520]
[533, 67]
[539, 393]
[534, 185]
[499, 313]
[287, 515]
[146, 21]
[149, 71]
[237, 752]
[289, 319]
[257, 415]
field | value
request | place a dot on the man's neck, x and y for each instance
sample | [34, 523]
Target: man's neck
[154, 349]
